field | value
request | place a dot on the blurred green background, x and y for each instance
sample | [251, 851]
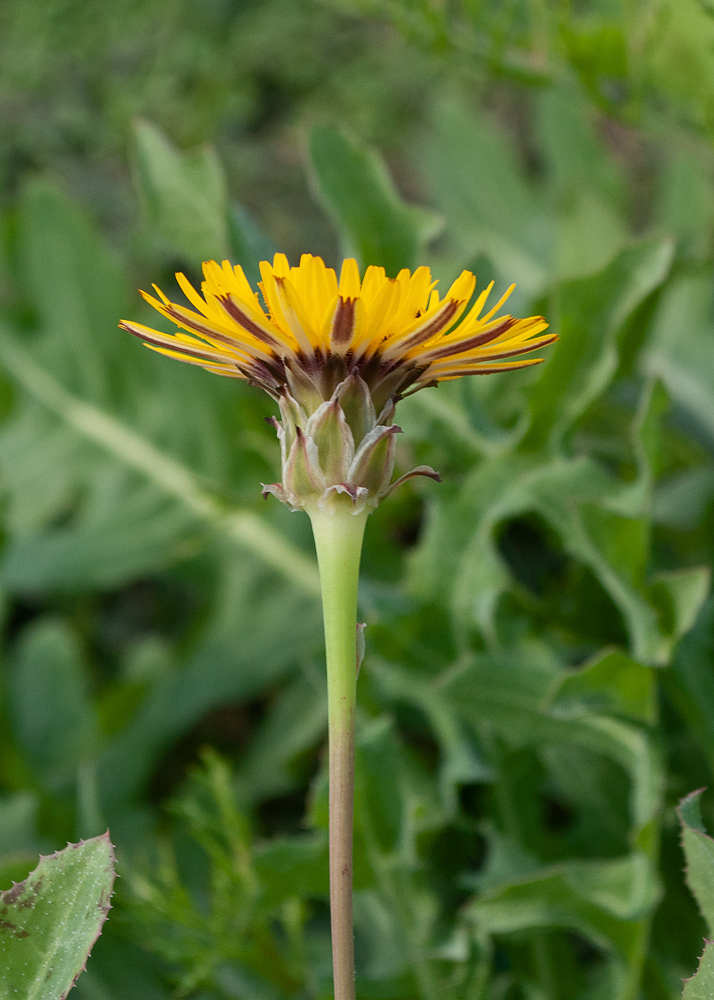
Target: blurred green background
[538, 691]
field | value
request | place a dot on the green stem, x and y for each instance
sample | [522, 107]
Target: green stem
[338, 541]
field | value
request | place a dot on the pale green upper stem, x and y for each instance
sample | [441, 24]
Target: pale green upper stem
[246, 528]
[338, 541]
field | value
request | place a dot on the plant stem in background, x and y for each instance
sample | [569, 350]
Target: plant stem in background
[338, 541]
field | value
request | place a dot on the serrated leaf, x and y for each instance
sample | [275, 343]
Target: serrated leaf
[353, 184]
[50, 922]
[701, 985]
[184, 195]
[699, 852]
[120, 970]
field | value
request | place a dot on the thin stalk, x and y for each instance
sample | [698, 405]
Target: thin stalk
[338, 541]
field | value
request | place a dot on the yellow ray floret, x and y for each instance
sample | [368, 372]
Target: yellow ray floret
[313, 327]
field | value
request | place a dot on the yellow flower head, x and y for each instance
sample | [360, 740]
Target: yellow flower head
[395, 333]
[337, 356]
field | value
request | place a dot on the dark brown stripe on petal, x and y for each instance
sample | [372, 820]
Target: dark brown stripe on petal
[430, 329]
[268, 374]
[485, 369]
[176, 345]
[248, 324]
[460, 347]
[206, 331]
[343, 322]
[523, 348]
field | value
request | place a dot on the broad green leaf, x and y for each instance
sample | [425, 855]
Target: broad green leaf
[126, 529]
[699, 853]
[381, 944]
[460, 763]
[459, 556]
[568, 139]
[355, 188]
[508, 695]
[379, 805]
[52, 919]
[240, 983]
[701, 985]
[296, 721]
[592, 312]
[506, 862]
[612, 683]
[139, 453]
[248, 244]
[19, 838]
[690, 681]
[18, 822]
[41, 462]
[681, 500]
[679, 58]
[679, 595]
[686, 202]
[183, 194]
[294, 867]
[603, 900]
[584, 181]
[52, 714]
[489, 207]
[575, 256]
[120, 970]
[602, 522]
[75, 286]
[259, 630]
[680, 347]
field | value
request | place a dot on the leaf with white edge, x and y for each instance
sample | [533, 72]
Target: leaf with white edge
[699, 851]
[49, 922]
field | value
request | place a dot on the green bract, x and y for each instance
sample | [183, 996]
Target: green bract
[342, 449]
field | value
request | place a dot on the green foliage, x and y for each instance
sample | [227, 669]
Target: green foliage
[699, 852]
[359, 195]
[184, 196]
[537, 690]
[51, 920]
